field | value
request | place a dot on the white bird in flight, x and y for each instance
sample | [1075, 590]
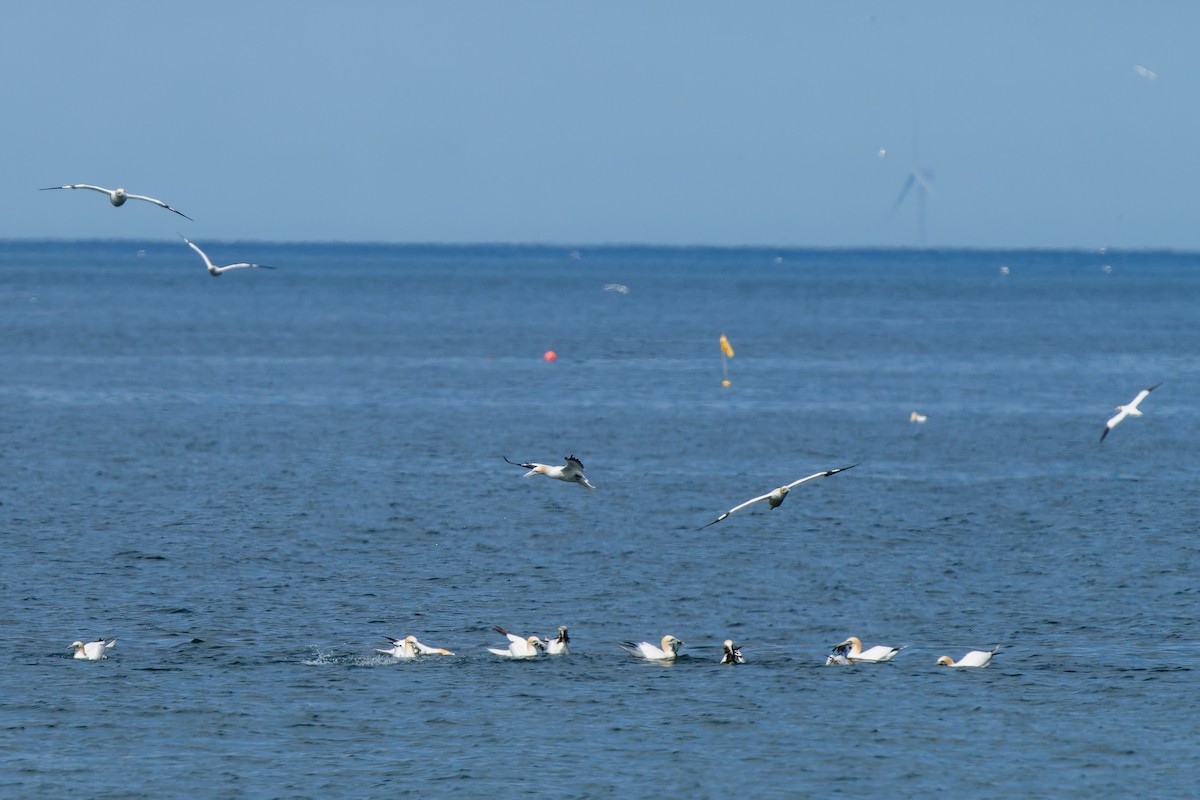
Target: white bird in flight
[118, 196]
[93, 651]
[409, 647]
[518, 647]
[1131, 409]
[975, 658]
[670, 647]
[732, 654]
[558, 645]
[213, 269]
[852, 650]
[777, 496]
[571, 472]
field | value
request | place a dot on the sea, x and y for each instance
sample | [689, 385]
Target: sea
[250, 481]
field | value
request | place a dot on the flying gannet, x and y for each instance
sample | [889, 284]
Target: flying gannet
[1128, 410]
[518, 647]
[975, 658]
[213, 269]
[670, 647]
[118, 196]
[93, 651]
[572, 471]
[853, 652]
[774, 498]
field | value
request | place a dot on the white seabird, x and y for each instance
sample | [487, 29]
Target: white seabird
[558, 645]
[774, 498]
[518, 647]
[1131, 409]
[118, 196]
[919, 418]
[93, 651]
[975, 658]
[853, 652]
[571, 472]
[409, 647]
[732, 653]
[668, 651]
[213, 269]
[837, 659]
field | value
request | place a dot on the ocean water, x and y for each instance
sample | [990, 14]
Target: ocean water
[250, 481]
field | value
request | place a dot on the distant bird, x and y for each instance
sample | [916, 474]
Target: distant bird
[558, 645]
[775, 497]
[93, 651]
[668, 651]
[915, 417]
[1148, 74]
[518, 647]
[732, 654]
[619, 288]
[975, 658]
[853, 652]
[571, 472]
[216, 271]
[118, 196]
[1130, 409]
[409, 647]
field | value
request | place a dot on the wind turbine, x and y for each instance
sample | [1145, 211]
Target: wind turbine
[921, 178]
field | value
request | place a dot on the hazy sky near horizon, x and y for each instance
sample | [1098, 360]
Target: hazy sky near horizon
[607, 122]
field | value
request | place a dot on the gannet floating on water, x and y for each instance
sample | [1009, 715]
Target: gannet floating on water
[915, 417]
[571, 472]
[213, 269]
[409, 647]
[518, 647]
[1131, 409]
[853, 652]
[118, 196]
[975, 658]
[670, 647]
[774, 498]
[558, 645]
[732, 654]
[93, 651]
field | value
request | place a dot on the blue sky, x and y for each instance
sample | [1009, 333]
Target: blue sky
[585, 123]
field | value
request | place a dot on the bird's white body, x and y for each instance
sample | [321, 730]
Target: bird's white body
[731, 653]
[118, 196]
[852, 650]
[1130, 409]
[571, 472]
[918, 418]
[558, 646]
[93, 651]
[776, 497]
[518, 647]
[216, 271]
[409, 647]
[975, 658]
[667, 652]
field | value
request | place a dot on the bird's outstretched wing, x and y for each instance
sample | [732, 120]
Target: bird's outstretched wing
[516, 464]
[158, 203]
[78, 186]
[816, 475]
[735, 509]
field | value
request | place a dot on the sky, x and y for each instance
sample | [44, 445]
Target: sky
[781, 124]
